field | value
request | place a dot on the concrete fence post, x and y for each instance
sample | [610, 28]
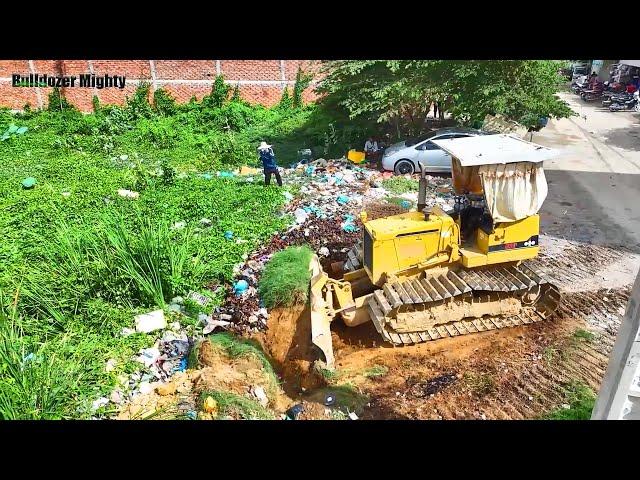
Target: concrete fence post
[619, 396]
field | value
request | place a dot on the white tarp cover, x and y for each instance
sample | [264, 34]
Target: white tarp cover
[513, 191]
[495, 149]
[633, 63]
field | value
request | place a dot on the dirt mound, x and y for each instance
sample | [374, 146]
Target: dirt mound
[288, 343]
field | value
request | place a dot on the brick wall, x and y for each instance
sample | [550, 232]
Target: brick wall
[260, 81]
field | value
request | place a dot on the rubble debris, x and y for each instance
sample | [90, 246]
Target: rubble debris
[432, 386]
[149, 322]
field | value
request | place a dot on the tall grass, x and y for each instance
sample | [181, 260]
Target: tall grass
[33, 383]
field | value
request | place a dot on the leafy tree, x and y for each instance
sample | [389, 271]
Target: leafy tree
[235, 97]
[302, 82]
[219, 94]
[400, 92]
[285, 101]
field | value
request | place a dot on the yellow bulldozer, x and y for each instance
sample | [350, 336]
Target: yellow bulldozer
[430, 274]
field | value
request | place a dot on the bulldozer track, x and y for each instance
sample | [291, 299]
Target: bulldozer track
[422, 291]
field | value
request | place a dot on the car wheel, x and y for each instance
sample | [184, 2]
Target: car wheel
[404, 167]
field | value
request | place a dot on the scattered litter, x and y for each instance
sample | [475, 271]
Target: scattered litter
[324, 251]
[287, 196]
[149, 322]
[192, 415]
[111, 365]
[210, 405]
[66, 194]
[205, 222]
[343, 199]
[240, 287]
[203, 318]
[178, 225]
[329, 400]
[116, 397]
[226, 174]
[353, 416]
[28, 183]
[244, 170]
[213, 324]
[101, 402]
[301, 216]
[128, 193]
[228, 234]
[148, 356]
[294, 411]
[258, 392]
[178, 300]
[125, 332]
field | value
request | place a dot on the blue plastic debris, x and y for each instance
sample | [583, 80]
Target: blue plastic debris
[226, 174]
[294, 411]
[192, 415]
[207, 176]
[183, 365]
[406, 204]
[309, 170]
[349, 228]
[240, 286]
[342, 199]
[228, 234]
[28, 358]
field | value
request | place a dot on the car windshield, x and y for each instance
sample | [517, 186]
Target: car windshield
[412, 141]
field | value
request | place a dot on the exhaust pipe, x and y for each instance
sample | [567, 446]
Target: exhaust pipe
[422, 188]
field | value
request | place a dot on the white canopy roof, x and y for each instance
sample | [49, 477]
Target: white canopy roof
[495, 149]
[633, 63]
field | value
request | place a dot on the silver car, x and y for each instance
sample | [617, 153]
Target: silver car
[403, 157]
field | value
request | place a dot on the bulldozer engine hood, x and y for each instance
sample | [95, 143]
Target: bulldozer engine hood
[397, 225]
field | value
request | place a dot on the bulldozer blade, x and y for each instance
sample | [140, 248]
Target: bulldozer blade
[320, 317]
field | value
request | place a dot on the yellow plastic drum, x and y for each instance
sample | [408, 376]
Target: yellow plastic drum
[355, 156]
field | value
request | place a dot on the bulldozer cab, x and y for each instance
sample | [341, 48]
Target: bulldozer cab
[500, 186]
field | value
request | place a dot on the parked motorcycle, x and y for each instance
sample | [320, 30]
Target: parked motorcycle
[617, 98]
[594, 93]
[629, 104]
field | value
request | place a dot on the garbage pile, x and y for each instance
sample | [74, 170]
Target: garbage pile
[326, 216]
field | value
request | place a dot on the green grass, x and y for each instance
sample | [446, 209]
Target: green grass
[400, 185]
[376, 371]
[580, 399]
[236, 406]
[285, 280]
[584, 335]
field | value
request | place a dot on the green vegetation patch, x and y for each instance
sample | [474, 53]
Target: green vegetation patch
[285, 280]
[580, 399]
[400, 185]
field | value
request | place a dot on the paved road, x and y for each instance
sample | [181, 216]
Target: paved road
[594, 187]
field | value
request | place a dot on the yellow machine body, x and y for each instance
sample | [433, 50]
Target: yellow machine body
[408, 243]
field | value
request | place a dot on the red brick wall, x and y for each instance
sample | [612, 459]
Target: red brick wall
[260, 81]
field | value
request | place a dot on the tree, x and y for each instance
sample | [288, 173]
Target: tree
[400, 92]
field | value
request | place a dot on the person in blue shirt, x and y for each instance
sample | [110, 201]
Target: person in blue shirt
[269, 163]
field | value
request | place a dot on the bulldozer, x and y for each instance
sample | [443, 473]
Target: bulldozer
[429, 274]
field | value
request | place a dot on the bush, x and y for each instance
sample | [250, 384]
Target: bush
[285, 280]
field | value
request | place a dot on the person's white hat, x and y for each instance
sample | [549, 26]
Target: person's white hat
[263, 146]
